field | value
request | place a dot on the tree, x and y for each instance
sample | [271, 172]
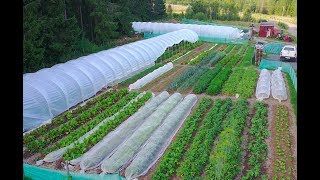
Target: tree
[247, 15]
[200, 16]
[169, 10]
[159, 9]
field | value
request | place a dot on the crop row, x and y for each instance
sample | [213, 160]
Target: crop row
[182, 78]
[204, 81]
[170, 160]
[228, 49]
[293, 94]
[247, 84]
[198, 52]
[103, 130]
[283, 163]
[183, 51]
[225, 159]
[66, 116]
[176, 49]
[242, 81]
[230, 87]
[204, 55]
[217, 82]
[64, 129]
[71, 133]
[197, 155]
[247, 59]
[140, 75]
[257, 145]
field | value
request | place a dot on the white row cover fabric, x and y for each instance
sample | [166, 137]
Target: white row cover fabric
[101, 150]
[50, 91]
[55, 155]
[202, 30]
[126, 151]
[153, 149]
[278, 87]
[151, 76]
[263, 85]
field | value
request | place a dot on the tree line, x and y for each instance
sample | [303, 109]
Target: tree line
[229, 9]
[55, 31]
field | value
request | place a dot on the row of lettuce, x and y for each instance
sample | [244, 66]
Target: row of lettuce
[215, 150]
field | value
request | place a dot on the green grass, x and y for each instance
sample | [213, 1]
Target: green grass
[293, 94]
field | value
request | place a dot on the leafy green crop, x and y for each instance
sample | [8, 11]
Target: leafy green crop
[198, 154]
[170, 160]
[257, 145]
[103, 130]
[226, 157]
[64, 117]
[86, 127]
[216, 84]
[64, 129]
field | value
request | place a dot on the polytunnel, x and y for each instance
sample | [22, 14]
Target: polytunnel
[205, 31]
[51, 91]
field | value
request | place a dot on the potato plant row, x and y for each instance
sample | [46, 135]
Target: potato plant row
[170, 160]
[257, 141]
[283, 166]
[198, 154]
[64, 117]
[80, 148]
[85, 116]
[217, 82]
[228, 49]
[225, 159]
[71, 133]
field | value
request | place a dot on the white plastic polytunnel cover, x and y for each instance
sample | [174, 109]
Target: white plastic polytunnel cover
[50, 91]
[207, 31]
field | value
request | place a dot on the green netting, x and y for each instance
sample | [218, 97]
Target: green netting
[207, 39]
[286, 67]
[191, 21]
[273, 48]
[37, 173]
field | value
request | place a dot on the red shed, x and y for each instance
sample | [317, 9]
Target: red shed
[264, 26]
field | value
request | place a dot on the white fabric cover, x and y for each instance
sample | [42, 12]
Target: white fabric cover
[278, 86]
[202, 30]
[151, 76]
[50, 91]
[263, 85]
[57, 154]
[101, 150]
[126, 151]
[153, 149]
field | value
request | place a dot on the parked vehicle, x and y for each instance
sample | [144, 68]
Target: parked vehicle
[288, 53]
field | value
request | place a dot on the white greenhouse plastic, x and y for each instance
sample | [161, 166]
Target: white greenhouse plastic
[101, 150]
[126, 151]
[151, 76]
[202, 30]
[50, 91]
[263, 85]
[55, 155]
[278, 86]
[153, 149]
